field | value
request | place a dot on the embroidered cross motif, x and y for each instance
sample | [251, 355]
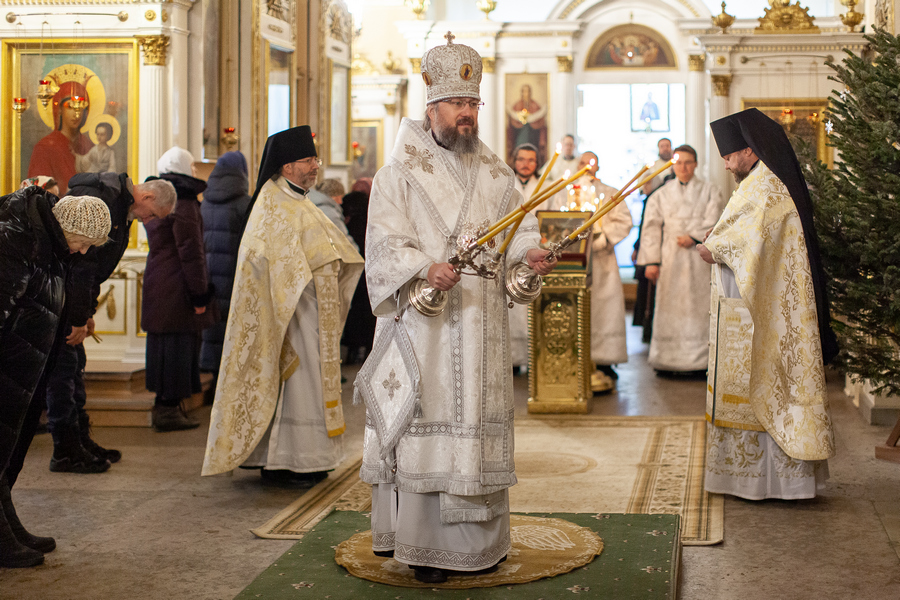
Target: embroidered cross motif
[391, 384]
[497, 167]
[419, 158]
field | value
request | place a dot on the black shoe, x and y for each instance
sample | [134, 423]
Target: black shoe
[172, 418]
[608, 371]
[69, 456]
[384, 553]
[84, 430]
[41, 544]
[286, 478]
[429, 574]
[13, 554]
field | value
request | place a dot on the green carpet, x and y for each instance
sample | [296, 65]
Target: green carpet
[639, 560]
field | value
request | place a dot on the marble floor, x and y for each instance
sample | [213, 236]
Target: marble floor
[151, 527]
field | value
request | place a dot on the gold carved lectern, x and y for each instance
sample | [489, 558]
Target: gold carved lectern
[559, 323]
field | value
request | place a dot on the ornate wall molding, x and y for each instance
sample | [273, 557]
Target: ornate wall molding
[721, 85]
[696, 62]
[154, 47]
[416, 64]
[565, 64]
[488, 64]
[884, 15]
[786, 18]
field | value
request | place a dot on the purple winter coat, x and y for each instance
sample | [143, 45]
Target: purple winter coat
[176, 279]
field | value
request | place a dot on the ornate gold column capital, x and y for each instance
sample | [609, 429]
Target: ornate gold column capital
[390, 108]
[154, 47]
[416, 64]
[721, 85]
[564, 64]
[488, 63]
[696, 62]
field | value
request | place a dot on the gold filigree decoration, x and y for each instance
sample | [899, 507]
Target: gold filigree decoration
[564, 64]
[696, 62]
[154, 47]
[488, 64]
[416, 64]
[784, 17]
[419, 158]
[150, 15]
[721, 85]
[496, 165]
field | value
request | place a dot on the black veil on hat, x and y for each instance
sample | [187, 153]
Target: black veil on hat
[282, 148]
[752, 129]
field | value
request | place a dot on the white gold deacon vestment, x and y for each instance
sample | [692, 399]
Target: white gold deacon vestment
[770, 429]
[438, 390]
[288, 249]
[681, 317]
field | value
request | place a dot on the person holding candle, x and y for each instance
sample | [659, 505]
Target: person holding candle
[438, 390]
[770, 431]
[277, 406]
[607, 296]
[568, 158]
[676, 218]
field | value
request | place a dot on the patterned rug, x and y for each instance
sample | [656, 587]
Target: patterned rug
[584, 464]
[639, 560]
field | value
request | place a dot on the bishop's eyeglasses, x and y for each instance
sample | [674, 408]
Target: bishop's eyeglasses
[459, 104]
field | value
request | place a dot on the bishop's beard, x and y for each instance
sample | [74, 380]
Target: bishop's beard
[450, 137]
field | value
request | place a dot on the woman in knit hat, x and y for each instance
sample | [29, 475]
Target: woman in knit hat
[37, 233]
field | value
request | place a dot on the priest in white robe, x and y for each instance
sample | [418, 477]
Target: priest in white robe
[608, 346]
[438, 443]
[278, 397]
[526, 177]
[568, 160]
[770, 431]
[676, 219]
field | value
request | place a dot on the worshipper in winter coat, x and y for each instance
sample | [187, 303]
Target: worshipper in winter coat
[177, 296]
[37, 233]
[224, 206]
[359, 331]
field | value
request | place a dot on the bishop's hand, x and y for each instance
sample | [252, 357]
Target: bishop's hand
[536, 260]
[442, 276]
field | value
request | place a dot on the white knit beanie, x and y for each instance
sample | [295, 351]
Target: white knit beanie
[175, 160]
[83, 215]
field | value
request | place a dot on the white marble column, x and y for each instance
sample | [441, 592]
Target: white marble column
[562, 118]
[416, 92]
[154, 119]
[696, 104]
[719, 107]
[488, 119]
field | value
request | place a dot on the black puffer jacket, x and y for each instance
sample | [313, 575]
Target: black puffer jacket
[33, 262]
[224, 207]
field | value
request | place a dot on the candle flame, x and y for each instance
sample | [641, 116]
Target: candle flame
[567, 174]
[558, 147]
[675, 158]
[592, 162]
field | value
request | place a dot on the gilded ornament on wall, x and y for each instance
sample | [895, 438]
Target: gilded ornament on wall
[784, 17]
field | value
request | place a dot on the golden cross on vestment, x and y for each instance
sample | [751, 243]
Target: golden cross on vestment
[391, 384]
[449, 37]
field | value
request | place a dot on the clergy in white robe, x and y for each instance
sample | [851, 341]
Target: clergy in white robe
[526, 178]
[568, 160]
[278, 397]
[770, 430]
[664, 145]
[676, 219]
[607, 295]
[438, 442]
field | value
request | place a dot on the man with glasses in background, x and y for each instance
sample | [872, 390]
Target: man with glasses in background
[676, 219]
[438, 389]
[278, 397]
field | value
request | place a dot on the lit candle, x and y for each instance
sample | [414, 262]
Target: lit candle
[547, 170]
[619, 196]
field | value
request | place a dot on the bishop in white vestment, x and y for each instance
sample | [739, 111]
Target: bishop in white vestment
[770, 430]
[676, 219]
[438, 443]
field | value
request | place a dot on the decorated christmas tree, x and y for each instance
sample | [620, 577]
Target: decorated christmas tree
[858, 213]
